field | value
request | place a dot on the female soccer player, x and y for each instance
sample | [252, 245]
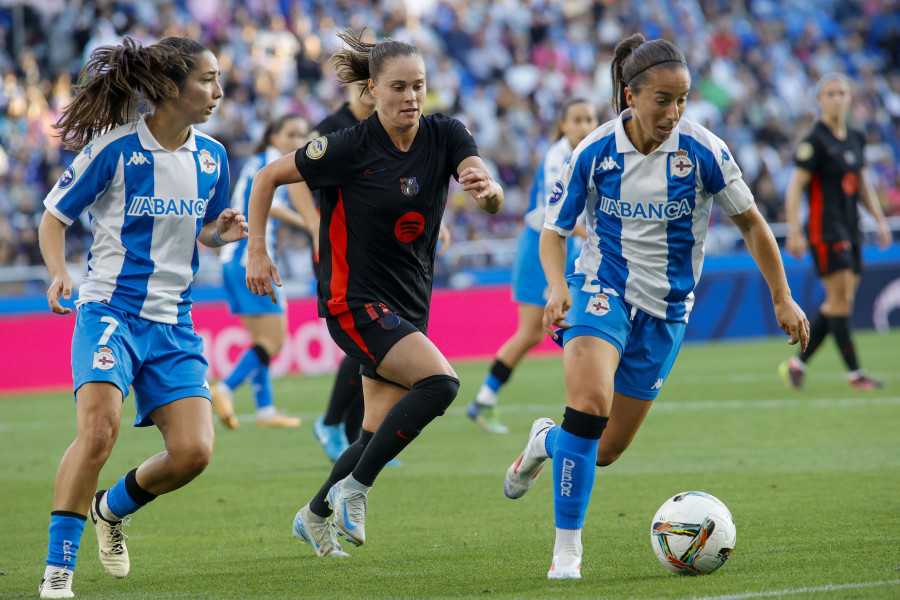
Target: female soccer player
[265, 321]
[388, 178]
[153, 188]
[830, 167]
[577, 118]
[647, 181]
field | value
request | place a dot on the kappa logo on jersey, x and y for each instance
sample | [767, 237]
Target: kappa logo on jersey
[651, 211]
[138, 158]
[409, 186]
[104, 359]
[66, 178]
[725, 157]
[88, 150]
[680, 164]
[207, 163]
[409, 227]
[598, 305]
[158, 207]
[558, 190]
[316, 148]
[607, 164]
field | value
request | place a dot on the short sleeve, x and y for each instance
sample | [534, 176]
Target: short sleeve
[461, 144]
[569, 195]
[83, 183]
[221, 191]
[808, 153]
[324, 161]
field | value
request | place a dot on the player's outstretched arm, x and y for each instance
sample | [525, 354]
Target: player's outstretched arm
[764, 249]
[52, 240]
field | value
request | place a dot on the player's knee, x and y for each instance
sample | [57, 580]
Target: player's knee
[191, 460]
[438, 391]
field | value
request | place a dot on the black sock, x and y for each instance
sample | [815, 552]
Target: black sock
[840, 328]
[818, 330]
[353, 418]
[264, 357]
[427, 400]
[347, 388]
[137, 493]
[500, 371]
[342, 467]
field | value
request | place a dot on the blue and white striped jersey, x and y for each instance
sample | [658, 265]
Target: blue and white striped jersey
[647, 216]
[240, 199]
[546, 175]
[146, 206]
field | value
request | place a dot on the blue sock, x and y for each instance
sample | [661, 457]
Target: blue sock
[493, 383]
[65, 537]
[262, 388]
[127, 496]
[248, 363]
[574, 466]
[550, 442]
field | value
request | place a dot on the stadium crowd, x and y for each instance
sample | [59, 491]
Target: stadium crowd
[503, 67]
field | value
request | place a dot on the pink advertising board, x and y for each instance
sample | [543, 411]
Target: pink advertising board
[466, 324]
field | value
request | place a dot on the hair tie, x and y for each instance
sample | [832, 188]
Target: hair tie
[662, 62]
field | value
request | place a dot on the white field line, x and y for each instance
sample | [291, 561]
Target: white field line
[805, 590]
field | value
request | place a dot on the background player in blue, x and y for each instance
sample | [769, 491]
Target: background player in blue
[830, 166]
[153, 188]
[266, 322]
[576, 119]
[386, 182]
[647, 181]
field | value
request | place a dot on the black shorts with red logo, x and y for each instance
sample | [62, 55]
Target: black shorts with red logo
[367, 333]
[830, 257]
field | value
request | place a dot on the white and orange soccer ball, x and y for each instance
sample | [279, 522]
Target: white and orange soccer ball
[693, 533]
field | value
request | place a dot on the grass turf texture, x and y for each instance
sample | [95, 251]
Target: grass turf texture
[811, 478]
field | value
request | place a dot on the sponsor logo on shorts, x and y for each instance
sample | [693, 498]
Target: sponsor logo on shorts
[104, 359]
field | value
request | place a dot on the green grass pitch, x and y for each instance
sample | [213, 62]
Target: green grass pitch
[812, 479]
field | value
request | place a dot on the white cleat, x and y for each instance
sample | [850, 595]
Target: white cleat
[522, 474]
[317, 532]
[111, 540]
[565, 566]
[57, 583]
[349, 508]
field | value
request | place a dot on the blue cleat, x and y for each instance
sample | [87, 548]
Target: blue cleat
[332, 437]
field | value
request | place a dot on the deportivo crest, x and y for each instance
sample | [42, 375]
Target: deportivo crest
[207, 162]
[409, 186]
[104, 359]
[598, 305]
[680, 164]
[316, 148]
[66, 178]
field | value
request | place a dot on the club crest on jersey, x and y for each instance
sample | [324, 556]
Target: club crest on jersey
[409, 186]
[104, 359]
[680, 164]
[558, 190]
[316, 148]
[207, 163]
[66, 178]
[598, 305]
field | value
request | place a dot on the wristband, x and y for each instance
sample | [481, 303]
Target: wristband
[216, 237]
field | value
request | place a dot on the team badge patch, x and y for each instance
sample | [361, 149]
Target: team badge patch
[680, 164]
[409, 186]
[805, 151]
[67, 178]
[558, 190]
[316, 148]
[104, 359]
[598, 305]
[207, 163]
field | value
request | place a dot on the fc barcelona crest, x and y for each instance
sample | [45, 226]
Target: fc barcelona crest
[409, 186]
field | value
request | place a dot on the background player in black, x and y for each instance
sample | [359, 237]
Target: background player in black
[830, 167]
[389, 177]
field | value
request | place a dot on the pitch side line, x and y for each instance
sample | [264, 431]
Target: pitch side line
[806, 590]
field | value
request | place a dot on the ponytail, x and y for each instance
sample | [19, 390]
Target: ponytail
[363, 61]
[634, 57]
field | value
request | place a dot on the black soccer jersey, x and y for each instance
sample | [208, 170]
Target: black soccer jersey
[341, 119]
[382, 210]
[834, 189]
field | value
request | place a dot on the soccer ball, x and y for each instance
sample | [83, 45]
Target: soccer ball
[693, 533]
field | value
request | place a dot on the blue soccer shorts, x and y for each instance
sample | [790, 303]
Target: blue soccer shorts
[647, 345]
[529, 284]
[163, 363]
[244, 302]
